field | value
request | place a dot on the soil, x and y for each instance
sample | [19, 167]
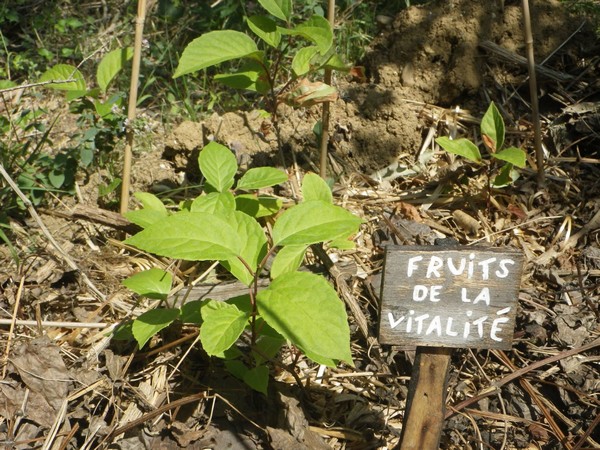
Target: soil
[428, 72]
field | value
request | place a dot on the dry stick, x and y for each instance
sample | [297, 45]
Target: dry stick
[519, 373]
[133, 91]
[65, 256]
[326, 105]
[535, 111]
[12, 326]
[57, 324]
[534, 395]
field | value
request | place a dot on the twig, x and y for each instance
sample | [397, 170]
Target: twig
[326, 105]
[50, 323]
[39, 83]
[12, 326]
[131, 109]
[495, 386]
[535, 111]
[48, 235]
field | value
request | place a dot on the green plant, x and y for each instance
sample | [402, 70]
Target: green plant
[23, 137]
[100, 114]
[229, 225]
[589, 8]
[280, 70]
[492, 134]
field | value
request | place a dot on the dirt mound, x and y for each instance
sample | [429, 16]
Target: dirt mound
[430, 55]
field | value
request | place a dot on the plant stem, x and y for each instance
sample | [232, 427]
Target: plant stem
[326, 105]
[539, 153]
[133, 91]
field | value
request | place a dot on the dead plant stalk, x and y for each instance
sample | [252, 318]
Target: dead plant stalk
[131, 109]
[535, 112]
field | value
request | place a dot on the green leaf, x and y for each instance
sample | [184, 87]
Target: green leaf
[112, 63]
[306, 310]
[258, 206]
[288, 259]
[268, 343]
[313, 221]
[152, 283]
[56, 178]
[266, 29]
[218, 165]
[250, 76]
[315, 188]
[190, 312]
[62, 72]
[258, 378]
[144, 217]
[261, 177]
[462, 147]
[153, 210]
[302, 59]
[251, 234]
[343, 244]
[219, 203]
[151, 322]
[222, 325]
[214, 48]
[492, 126]
[282, 9]
[335, 62]
[191, 236]
[512, 155]
[317, 30]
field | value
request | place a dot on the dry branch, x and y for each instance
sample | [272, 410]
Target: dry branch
[508, 56]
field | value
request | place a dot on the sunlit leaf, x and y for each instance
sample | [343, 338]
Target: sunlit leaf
[302, 60]
[63, 72]
[313, 221]
[306, 310]
[151, 322]
[112, 63]
[152, 283]
[461, 147]
[191, 236]
[258, 205]
[492, 126]
[214, 48]
[282, 9]
[512, 155]
[222, 325]
[316, 188]
[317, 30]
[218, 165]
[288, 259]
[261, 177]
[254, 241]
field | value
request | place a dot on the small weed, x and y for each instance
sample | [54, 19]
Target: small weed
[492, 133]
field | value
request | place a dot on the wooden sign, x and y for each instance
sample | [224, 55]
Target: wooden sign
[449, 296]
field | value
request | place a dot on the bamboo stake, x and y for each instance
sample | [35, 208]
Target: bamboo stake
[326, 105]
[131, 109]
[535, 112]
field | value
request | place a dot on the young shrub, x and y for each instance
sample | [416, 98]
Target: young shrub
[224, 225]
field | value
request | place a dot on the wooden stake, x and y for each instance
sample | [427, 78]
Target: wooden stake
[326, 105]
[426, 403]
[131, 109]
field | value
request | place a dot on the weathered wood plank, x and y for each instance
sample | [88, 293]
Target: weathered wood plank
[449, 297]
